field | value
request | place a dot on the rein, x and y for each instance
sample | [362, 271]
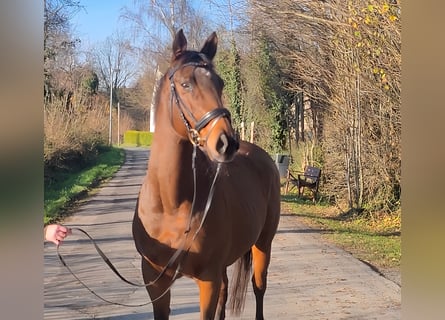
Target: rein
[173, 258]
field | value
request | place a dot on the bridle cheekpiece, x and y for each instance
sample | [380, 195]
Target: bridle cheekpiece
[217, 113]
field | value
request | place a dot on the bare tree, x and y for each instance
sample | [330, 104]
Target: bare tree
[155, 23]
[57, 15]
[115, 62]
[345, 58]
[59, 48]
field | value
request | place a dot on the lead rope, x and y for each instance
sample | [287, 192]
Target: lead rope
[108, 262]
[172, 259]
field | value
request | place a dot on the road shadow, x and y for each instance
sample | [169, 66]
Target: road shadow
[149, 315]
[130, 316]
[304, 231]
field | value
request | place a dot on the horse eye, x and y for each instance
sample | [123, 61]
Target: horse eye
[186, 85]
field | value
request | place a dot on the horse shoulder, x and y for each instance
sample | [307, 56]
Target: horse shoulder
[253, 158]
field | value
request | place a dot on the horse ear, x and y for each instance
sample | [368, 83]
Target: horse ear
[209, 47]
[179, 44]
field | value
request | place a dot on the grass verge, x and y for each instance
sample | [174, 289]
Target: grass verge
[374, 239]
[67, 187]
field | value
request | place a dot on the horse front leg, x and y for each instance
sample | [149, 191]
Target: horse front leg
[161, 305]
[261, 260]
[209, 292]
[222, 300]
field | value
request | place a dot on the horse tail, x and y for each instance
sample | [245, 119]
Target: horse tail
[240, 280]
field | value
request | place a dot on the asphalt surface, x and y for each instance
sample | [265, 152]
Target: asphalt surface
[309, 278]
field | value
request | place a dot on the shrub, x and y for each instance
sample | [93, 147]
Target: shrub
[145, 138]
[72, 136]
[138, 138]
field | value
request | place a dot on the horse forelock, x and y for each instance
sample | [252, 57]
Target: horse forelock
[182, 59]
[201, 60]
[192, 57]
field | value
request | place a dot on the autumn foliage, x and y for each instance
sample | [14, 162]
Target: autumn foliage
[344, 58]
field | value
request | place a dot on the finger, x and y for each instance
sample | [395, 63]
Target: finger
[60, 235]
[62, 228]
[66, 231]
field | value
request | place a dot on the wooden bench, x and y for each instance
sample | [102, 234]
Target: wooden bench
[309, 179]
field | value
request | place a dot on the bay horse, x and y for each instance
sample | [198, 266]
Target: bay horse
[208, 200]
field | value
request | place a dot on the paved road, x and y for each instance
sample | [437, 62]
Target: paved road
[308, 277]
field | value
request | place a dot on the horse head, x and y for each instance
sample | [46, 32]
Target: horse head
[197, 112]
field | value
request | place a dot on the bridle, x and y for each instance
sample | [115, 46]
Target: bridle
[194, 133]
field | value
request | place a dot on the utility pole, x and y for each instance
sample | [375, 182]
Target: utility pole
[118, 123]
[158, 76]
[110, 126]
[111, 105]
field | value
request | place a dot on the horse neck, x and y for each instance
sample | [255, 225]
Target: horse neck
[170, 167]
[170, 171]
[171, 175]
[171, 161]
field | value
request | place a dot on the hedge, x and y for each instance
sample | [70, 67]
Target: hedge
[138, 138]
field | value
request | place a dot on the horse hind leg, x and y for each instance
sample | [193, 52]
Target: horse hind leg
[161, 306]
[261, 260]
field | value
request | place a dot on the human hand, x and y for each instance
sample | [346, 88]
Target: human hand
[56, 233]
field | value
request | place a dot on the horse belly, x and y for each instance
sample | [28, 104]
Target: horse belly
[243, 228]
[254, 202]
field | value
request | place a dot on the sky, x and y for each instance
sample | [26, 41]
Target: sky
[98, 20]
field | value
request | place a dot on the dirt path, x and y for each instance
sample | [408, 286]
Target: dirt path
[308, 277]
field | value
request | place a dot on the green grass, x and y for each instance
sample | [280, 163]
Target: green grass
[375, 239]
[67, 187]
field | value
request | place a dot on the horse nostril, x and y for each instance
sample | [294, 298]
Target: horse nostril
[227, 145]
[222, 144]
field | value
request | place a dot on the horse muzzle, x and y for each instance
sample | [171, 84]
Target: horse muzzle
[226, 147]
[214, 134]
